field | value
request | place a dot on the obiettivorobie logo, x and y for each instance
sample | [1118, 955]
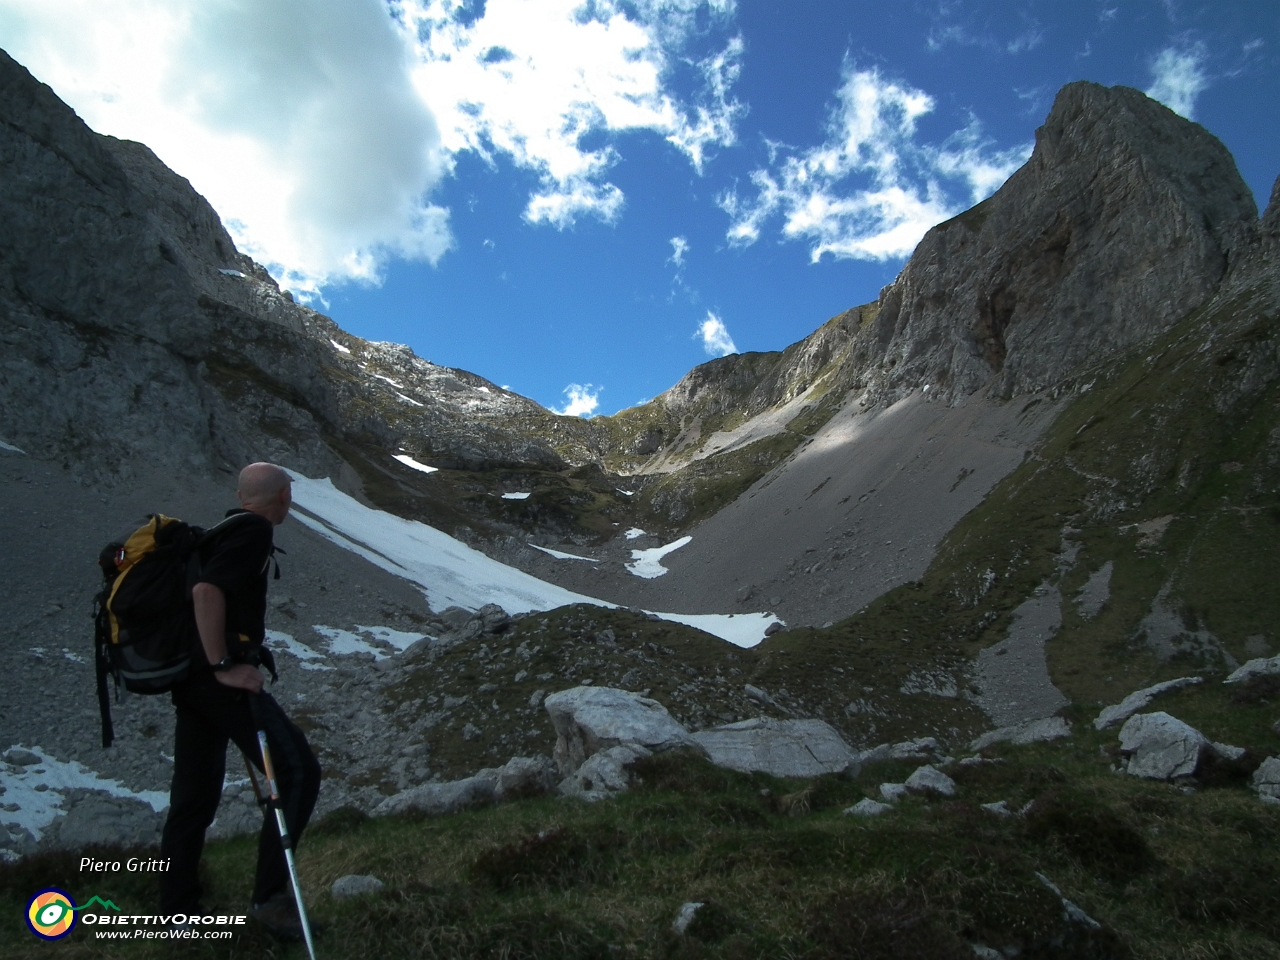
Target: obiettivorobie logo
[51, 913]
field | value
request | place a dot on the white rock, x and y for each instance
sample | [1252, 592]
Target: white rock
[1160, 747]
[867, 807]
[927, 779]
[440, 798]
[1266, 779]
[1138, 700]
[355, 885]
[685, 917]
[588, 720]
[1030, 731]
[1000, 808]
[1264, 666]
[893, 792]
[1226, 751]
[924, 748]
[783, 748]
[603, 774]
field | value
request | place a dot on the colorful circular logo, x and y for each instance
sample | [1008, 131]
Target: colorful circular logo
[51, 914]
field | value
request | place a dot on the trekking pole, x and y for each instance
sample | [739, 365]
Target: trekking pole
[285, 840]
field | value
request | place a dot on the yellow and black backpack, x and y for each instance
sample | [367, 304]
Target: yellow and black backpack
[145, 626]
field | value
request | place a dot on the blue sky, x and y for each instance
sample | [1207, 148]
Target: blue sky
[583, 200]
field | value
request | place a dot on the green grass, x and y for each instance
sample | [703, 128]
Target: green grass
[785, 874]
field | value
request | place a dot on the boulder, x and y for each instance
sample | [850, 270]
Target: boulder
[95, 817]
[1266, 779]
[893, 792]
[1000, 808]
[603, 774]
[588, 720]
[355, 885]
[437, 799]
[1139, 700]
[521, 777]
[783, 748]
[1030, 731]
[928, 779]
[925, 748]
[1262, 667]
[867, 807]
[685, 917]
[1160, 747]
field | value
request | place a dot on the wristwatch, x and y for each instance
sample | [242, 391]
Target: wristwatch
[226, 663]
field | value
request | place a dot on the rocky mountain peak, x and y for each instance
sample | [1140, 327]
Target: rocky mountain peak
[1122, 221]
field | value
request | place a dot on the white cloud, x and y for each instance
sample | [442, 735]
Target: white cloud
[295, 118]
[715, 337]
[583, 399]
[679, 247]
[530, 79]
[870, 191]
[1179, 77]
[319, 128]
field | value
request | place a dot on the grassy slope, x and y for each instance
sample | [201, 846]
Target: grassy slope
[785, 874]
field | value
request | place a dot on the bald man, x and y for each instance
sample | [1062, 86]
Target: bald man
[222, 700]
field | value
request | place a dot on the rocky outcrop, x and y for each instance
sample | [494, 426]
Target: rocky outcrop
[589, 720]
[1120, 224]
[1261, 667]
[1160, 747]
[134, 333]
[783, 748]
[1020, 734]
[1139, 700]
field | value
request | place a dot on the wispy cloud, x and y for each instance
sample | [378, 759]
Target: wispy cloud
[533, 79]
[582, 399]
[319, 129]
[679, 247]
[946, 32]
[1179, 76]
[870, 191]
[715, 337]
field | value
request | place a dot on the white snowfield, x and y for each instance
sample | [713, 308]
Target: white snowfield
[560, 554]
[408, 461]
[646, 563]
[452, 574]
[36, 809]
[515, 496]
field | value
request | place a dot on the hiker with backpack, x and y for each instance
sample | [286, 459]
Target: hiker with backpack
[219, 698]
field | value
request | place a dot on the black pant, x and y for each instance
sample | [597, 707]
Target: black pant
[210, 714]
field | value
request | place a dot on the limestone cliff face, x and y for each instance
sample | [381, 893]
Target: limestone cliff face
[1125, 218]
[133, 330]
[1121, 223]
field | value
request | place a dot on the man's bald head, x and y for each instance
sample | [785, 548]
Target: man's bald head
[265, 489]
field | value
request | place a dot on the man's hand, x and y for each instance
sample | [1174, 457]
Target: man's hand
[242, 676]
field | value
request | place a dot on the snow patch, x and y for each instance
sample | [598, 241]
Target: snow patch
[452, 574]
[36, 809]
[398, 386]
[560, 554]
[408, 461]
[645, 563]
[339, 347]
[230, 273]
[299, 650]
[740, 629]
[515, 496]
[483, 389]
[634, 532]
[12, 448]
[401, 396]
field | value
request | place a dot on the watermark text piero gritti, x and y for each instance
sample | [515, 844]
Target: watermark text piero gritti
[132, 865]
